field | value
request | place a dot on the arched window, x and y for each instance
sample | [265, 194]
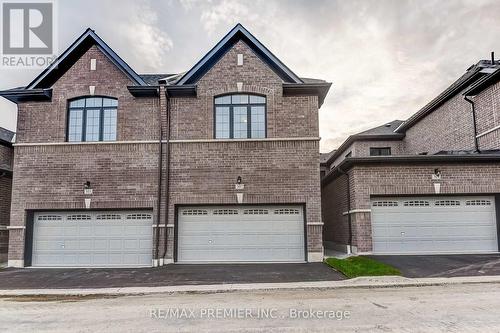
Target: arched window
[240, 117]
[92, 119]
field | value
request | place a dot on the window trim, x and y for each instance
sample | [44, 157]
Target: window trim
[380, 148]
[84, 117]
[231, 115]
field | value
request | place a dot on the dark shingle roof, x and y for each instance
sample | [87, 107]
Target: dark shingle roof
[152, 79]
[473, 73]
[310, 80]
[383, 132]
[386, 129]
[324, 157]
[6, 135]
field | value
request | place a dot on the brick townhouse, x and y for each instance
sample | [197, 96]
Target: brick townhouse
[430, 184]
[217, 164]
[6, 155]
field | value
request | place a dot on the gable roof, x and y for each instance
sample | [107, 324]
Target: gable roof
[484, 83]
[383, 132]
[82, 44]
[236, 34]
[386, 129]
[473, 73]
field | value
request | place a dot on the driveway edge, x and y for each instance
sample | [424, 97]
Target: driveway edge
[361, 282]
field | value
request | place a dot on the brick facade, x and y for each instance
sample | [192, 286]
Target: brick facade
[488, 117]
[450, 127]
[49, 173]
[368, 181]
[6, 155]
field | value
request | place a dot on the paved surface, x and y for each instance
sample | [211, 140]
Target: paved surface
[444, 265]
[457, 308]
[170, 275]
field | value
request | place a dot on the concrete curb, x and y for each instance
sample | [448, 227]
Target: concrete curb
[361, 282]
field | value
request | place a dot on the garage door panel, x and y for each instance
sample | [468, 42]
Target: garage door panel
[238, 234]
[92, 239]
[446, 225]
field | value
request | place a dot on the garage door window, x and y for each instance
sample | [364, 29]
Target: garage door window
[286, 211]
[139, 216]
[255, 212]
[478, 203]
[416, 203]
[447, 203]
[192, 212]
[77, 217]
[385, 204]
[225, 212]
[108, 217]
[49, 218]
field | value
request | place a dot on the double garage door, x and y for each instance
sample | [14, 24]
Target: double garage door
[92, 239]
[204, 234]
[434, 225]
[241, 234]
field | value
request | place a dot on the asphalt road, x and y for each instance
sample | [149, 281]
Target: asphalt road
[454, 308]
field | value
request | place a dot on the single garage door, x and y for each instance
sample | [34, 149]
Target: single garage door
[92, 239]
[434, 225]
[241, 234]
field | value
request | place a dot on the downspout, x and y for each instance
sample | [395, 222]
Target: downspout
[167, 176]
[158, 197]
[349, 219]
[473, 109]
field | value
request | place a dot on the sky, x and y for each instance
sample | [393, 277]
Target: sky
[385, 58]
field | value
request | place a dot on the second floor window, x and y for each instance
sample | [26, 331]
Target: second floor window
[375, 151]
[240, 117]
[92, 119]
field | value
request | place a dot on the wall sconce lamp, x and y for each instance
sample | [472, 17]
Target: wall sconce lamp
[87, 188]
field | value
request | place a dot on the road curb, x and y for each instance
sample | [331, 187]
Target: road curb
[363, 282]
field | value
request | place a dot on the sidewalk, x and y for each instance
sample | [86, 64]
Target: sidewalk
[361, 282]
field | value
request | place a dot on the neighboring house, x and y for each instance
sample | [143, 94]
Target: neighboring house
[430, 184]
[6, 159]
[239, 177]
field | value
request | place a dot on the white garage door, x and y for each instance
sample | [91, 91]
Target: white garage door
[92, 239]
[241, 234]
[434, 225]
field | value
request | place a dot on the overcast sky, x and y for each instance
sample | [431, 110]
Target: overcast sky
[386, 59]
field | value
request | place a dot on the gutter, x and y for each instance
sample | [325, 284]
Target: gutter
[167, 175]
[473, 109]
[158, 202]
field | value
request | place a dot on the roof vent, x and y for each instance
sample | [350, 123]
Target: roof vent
[387, 125]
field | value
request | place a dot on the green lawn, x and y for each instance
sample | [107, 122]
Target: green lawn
[361, 266]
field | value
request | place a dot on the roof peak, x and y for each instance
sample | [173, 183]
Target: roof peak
[66, 59]
[238, 32]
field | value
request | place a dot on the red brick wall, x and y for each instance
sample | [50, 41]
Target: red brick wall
[334, 204]
[123, 175]
[403, 179]
[450, 127]
[6, 157]
[488, 117]
[294, 116]
[46, 121]
[6, 154]
[5, 195]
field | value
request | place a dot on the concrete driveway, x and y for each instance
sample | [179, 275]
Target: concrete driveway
[454, 308]
[443, 265]
[170, 275]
